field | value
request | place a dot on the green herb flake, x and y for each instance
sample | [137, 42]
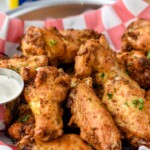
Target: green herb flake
[148, 55]
[110, 95]
[24, 118]
[126, 103]
[138, 103]
[127, 72]
[53, 43]
[141, 107]
[90, 145]
[141, 101]
[102, 75]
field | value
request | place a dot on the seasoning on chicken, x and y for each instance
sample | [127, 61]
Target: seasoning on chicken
[122, 96]
[137, 66]
[136, 36]
[60, 48]
[44, 95]
[22, 130]
[18, 62]
[90, 115]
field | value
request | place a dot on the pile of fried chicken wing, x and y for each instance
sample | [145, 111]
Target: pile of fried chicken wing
[80, 94]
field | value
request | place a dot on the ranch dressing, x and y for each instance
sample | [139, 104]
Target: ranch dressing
[9, 88]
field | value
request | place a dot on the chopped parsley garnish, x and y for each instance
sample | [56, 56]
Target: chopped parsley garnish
[24, 118]
[127, 72]
[110, 95]
[53, 43]
[148, 55]
[102, 75]
[138, 103]
[90, 145]
[126, 103]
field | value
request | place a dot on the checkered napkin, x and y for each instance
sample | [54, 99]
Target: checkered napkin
[111, 20]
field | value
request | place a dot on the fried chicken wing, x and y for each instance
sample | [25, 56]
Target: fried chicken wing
[42, 41]
[90, 115]
[18, 62]
[137, 66]
[65, 142]
[137, 36]
[23, 127]
[44, 95]
[60, 47]
[122, 96]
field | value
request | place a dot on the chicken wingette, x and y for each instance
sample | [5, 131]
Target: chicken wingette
[136, 36]
[17, 63]
[90, 115]
[44, 94]
[65, 142]
[122, 96]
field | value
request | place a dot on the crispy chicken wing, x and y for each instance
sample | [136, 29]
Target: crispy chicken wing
[137, 66]
[137, 36]
[90, 115]
[42, 41]
[65, 142]
[122, 96]
[44, 95]
[18, 62]
[60, 47]
[22, 130]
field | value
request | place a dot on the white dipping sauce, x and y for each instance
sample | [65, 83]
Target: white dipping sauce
[9, 88]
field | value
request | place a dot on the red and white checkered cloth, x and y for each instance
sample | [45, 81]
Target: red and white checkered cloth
[112, 20]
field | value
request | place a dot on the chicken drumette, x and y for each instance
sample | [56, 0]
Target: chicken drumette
[122, 96]
[44, 95]
[90, 115]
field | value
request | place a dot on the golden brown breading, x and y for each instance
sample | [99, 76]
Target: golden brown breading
[137, 36]
[122, 96]
[80, 36]
[147, 102]
[60, 47]
[42, 41]
[90, 115]
[65, 142]
[18, 62]
[10, 111]
[137, 66]
[44, 95]
[24, 125]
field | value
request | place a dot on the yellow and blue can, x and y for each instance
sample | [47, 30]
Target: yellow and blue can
[15, 3]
